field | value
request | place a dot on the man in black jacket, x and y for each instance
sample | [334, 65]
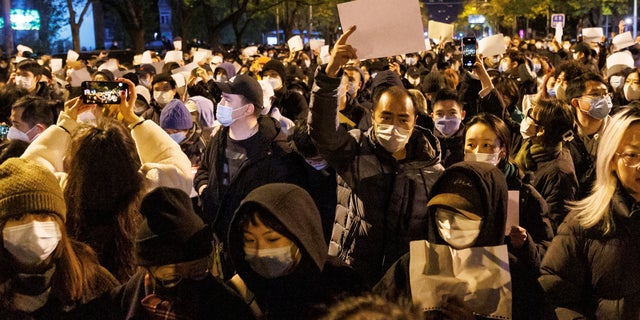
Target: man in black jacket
[385, 173]
[248, 151]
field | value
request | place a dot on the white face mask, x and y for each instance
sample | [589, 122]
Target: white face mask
[560, 93]
[616, 81]
[631, 92]
[24, 82]
[307, 63]
[490, 158]
[271, 263]
[392, 138]
[15, 134]
[527, 130]
[275, 82]
[163, 97]
[457, 230]
[33, 242]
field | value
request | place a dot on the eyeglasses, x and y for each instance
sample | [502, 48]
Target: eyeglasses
[630, 160]
[530, 116]
[598, 96]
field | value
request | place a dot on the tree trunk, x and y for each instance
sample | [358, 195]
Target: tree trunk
[8, 33]
[137, 37]
[75, 37]
[98, 23]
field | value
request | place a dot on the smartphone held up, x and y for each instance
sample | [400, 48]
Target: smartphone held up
[102, 92]
[469, 52]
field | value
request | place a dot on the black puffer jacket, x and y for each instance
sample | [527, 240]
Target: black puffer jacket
[587, 275]
[381, 201]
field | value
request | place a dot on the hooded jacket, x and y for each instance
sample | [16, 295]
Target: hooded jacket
[291, 104]
[493, 192]
[317, 281]
[381, 201]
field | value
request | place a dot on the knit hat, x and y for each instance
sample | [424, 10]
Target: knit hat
[175, 116]
[460, 193]
[171, 231]
[277, 66]
[28, 187]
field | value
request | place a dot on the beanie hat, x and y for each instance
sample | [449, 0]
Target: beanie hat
[171, 232]
[175, 116]
[28, 187]
[276, 66]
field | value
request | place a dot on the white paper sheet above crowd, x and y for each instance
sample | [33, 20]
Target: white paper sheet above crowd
[295, 44]
[384, 28]
[492, 45]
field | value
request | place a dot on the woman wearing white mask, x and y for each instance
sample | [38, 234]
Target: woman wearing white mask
[163, 90]
[547, 128]
[488, 140]
[631, 86]
[278, 248]
[467, 209]
[43, 273]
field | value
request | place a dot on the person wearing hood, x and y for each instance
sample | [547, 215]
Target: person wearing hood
[224, 72]
[173, 281]
[278, 249]
[467, 209]
[386, 172]
[290, 103]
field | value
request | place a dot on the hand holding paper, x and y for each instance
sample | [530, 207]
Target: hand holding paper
[341, 53]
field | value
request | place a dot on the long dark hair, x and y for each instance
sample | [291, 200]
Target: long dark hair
[73, 279]
[102, 193]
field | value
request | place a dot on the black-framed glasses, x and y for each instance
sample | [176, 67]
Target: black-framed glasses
[530, 116]
[629, 159]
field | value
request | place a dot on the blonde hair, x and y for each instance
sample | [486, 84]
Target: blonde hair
[595, 208]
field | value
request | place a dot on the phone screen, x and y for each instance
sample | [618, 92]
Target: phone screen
[102, 92]
[468, 52]
[4, 130]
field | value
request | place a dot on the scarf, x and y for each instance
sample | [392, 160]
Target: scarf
[531, 154]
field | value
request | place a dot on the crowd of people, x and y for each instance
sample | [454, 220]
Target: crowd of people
[273, 184]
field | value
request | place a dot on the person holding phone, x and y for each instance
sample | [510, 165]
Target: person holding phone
[105, 169]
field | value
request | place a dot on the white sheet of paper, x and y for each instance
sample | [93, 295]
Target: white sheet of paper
[592, 34]
[384, 28]
[78, 76]
[558, 35]
[295, 44]
[173, 56]
[201, 54]
[56, 65]
[479, 276]
[72, 55]
[513, 211]
[325, 54]
[491, 46]
[316, 43]
[179, 78]
[427, 44]
[439, 31]
[186, 68]
[146, 57]
[177, 45]
[137, 60]
[111, 65]
[249, 51]
[23, 48]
